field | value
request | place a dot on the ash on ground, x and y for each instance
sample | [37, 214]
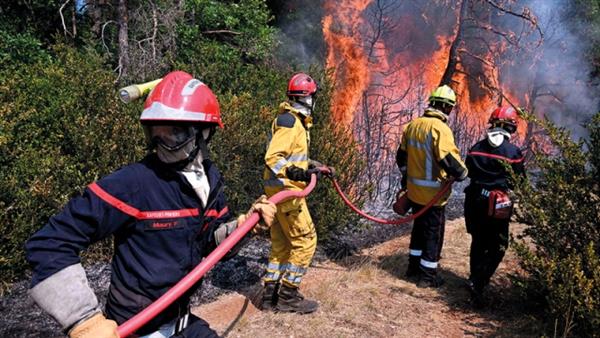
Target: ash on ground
[20, 317]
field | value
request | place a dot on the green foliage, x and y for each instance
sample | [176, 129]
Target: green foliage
[61, 127]
[562, 250]
[20, 49]
[585, 19]
[593, 145]
[220, 38]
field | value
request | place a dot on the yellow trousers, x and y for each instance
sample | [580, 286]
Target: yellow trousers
[293, 243]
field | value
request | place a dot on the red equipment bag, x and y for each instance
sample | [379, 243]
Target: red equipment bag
[499, 205]
[402, 205]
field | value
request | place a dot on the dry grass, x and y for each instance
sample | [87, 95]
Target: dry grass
[367, 296]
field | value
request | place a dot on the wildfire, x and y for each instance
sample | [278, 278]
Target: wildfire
[420, 65]
[341, 29]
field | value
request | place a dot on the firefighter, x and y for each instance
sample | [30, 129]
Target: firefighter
[166, 213]
[287, 167]
[427, 157]
[487, 204]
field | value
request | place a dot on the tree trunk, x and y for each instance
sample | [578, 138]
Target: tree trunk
[123, 38]
[453, 58]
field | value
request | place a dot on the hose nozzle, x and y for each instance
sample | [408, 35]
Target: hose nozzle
[134, 92]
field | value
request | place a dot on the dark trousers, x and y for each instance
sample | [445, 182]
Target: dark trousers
[489, 239]
[426, 240]
[197, 328]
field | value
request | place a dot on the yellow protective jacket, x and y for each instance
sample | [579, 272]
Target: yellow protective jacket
[288, 146]
[430, 156]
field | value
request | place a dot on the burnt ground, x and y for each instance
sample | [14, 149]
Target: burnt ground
[20, 317]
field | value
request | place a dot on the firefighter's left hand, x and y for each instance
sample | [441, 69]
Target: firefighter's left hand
[266, 208]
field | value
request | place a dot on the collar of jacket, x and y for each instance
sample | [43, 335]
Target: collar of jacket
[432, 112]
[286, 106]
[215, 180]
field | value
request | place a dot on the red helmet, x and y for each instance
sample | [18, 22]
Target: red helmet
[179, 97]
[302, 85]
[504, 114]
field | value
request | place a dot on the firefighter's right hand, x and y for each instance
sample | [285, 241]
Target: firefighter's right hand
[297, 174]
[96, 326]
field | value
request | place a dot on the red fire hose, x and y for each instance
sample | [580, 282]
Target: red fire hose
[139, 320]
[201, 269]
[402, 220]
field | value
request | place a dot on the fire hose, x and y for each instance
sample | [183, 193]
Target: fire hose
[402, 220]
[133, 92]
[214, 257]
[139, 320]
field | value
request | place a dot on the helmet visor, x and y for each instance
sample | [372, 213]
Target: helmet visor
[509, 126]
[171, 137]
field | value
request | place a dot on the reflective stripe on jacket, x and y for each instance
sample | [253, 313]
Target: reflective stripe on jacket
[288, 146]
[427, 140]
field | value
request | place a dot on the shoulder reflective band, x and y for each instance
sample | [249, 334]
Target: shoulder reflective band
[498, 157]
[131, 211]
[214, 213]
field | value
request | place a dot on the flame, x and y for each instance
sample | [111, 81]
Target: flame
[386, 72]
[341, 30]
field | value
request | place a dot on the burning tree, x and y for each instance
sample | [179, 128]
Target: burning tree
[387, 55]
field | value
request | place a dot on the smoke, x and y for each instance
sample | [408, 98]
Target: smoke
[300, 33]
[562, 84]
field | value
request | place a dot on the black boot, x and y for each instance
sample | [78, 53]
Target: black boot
[476, 292]
[291, 300]
[269, 296]
[429, 278]
[413, 271]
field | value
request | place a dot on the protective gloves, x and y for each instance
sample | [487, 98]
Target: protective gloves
[97, 326]
[298, 174]
[262, 205]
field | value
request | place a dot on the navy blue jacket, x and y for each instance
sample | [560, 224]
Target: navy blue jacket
[486, 164]
[160, 233]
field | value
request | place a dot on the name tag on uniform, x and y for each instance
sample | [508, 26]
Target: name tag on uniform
[163, 224]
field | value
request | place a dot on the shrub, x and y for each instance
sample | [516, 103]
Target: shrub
[61, 127]
[562, 208]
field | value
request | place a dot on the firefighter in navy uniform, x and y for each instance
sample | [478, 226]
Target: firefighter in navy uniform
[427, 157]
[487, 204]
[287, 167]
[166, 213]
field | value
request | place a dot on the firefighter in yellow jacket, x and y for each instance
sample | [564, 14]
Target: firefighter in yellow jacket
[287, 167]
[427, 157]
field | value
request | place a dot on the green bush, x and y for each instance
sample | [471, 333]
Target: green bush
[560, 249]
[61, 127]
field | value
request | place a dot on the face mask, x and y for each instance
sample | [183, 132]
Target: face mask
[181, 148]
[172, 137]
[496, 136]
[308, 102]
[172, 156]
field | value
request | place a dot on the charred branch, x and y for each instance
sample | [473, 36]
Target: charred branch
[453, 57]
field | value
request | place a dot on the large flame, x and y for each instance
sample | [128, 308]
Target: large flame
[345, 54]
[361, 65]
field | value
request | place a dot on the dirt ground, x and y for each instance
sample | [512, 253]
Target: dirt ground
[366, 295]
[363, 294]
